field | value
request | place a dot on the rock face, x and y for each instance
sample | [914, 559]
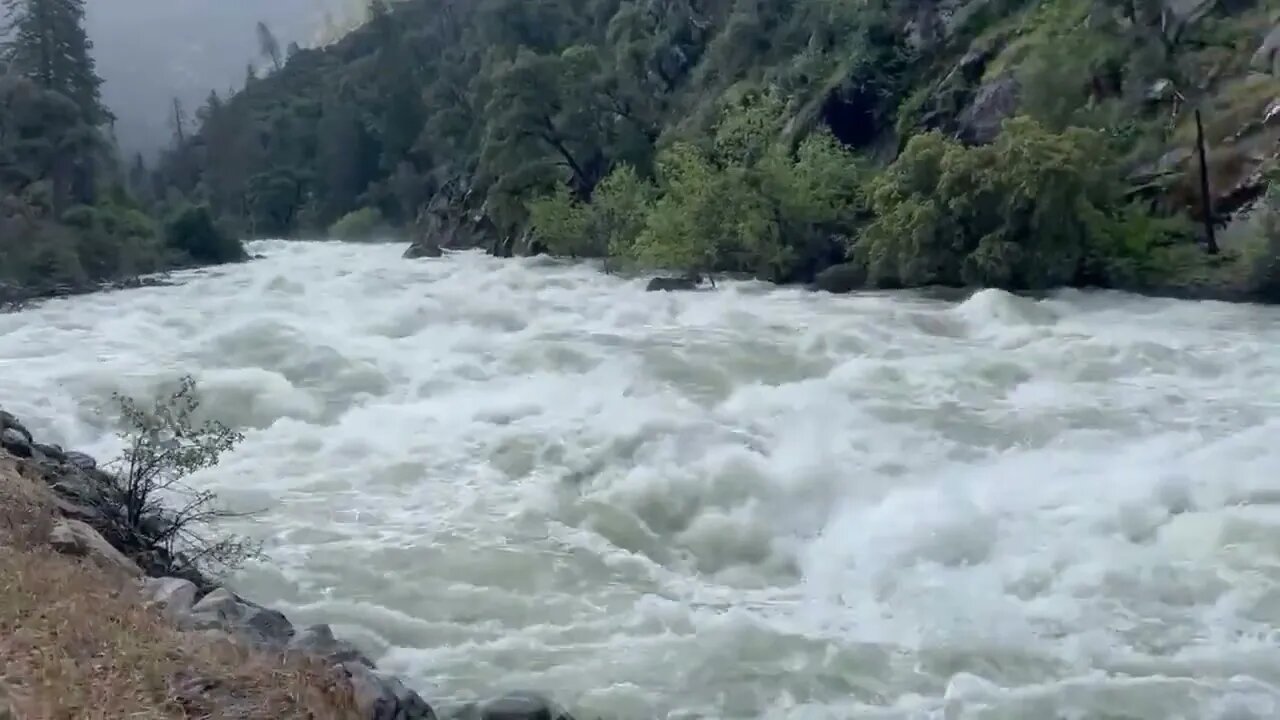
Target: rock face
[1264, 58]
[75, 538]
[447, 223]
[994, 101]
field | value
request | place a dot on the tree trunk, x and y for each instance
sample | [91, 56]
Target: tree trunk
[1206, 200]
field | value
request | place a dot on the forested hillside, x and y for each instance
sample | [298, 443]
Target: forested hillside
[1011, 143]
[67, 219]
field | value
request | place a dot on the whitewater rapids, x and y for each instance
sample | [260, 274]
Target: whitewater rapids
[748, 503]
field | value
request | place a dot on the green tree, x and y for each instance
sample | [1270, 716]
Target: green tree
[48, 45]
[1024, 212]
[269, 46]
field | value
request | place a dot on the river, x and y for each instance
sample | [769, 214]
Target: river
[747, 503]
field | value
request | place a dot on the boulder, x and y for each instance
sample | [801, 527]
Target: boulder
[667, 284]
[174, 596]
[224, 610]
[381, 697]
[1264, 58]
[75, 538]
[81, 461]
[843, 278]
[15, 442]
[995, 100]
[523, 705]
[426, 247]
[318, 641]
[49, 452]
[9, 422]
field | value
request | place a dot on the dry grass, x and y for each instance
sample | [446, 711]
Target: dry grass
[77, 643]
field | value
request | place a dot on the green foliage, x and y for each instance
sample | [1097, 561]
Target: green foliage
[1262, 256]
[723, 136]
[158, 511]
[560, 222]
[359, 226]
[1025, 212]
[193, 233]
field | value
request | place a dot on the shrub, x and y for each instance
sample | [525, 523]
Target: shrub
[1262, 257]
[1032, 210]
[163, 447]
[360, 225]
[193, 232]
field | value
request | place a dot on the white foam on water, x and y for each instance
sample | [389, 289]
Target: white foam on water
[737, 504]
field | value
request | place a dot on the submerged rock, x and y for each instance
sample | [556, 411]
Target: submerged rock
[523, 705]
[425, 247]
[843, 278]
[667, 284]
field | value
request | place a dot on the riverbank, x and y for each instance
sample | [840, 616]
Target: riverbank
[172, 646]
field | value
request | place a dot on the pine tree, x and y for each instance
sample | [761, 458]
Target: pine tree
[47, 44]
[268, 46]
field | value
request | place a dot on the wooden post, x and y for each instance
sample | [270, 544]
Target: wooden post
[1206, 200]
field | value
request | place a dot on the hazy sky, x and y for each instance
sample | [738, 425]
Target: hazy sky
[149, 51]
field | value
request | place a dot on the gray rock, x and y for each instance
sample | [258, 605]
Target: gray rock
[76, 511]
[224, 610]
[1186, 12]
[667, 284]
[380, 697]
[75, 538]
[523, 705]
[841, 278]
[424, 248]
[1264, 58]
[994, 101]
[15, 442]
[318, 640]
[174, 596]
[9, 422]
[81, 461]
[51, 452]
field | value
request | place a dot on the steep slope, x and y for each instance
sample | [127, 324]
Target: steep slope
[773, 137]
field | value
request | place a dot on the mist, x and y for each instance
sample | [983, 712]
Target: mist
[151, 51]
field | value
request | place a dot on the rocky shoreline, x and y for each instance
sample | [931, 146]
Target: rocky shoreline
[81, 492]
[15, 298]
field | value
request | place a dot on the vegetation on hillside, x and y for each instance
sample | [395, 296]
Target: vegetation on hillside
[67, 219]
[1004, 142]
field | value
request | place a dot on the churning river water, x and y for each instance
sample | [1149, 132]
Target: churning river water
[747, 503]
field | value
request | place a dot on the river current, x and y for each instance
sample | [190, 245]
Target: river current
[746, 503]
